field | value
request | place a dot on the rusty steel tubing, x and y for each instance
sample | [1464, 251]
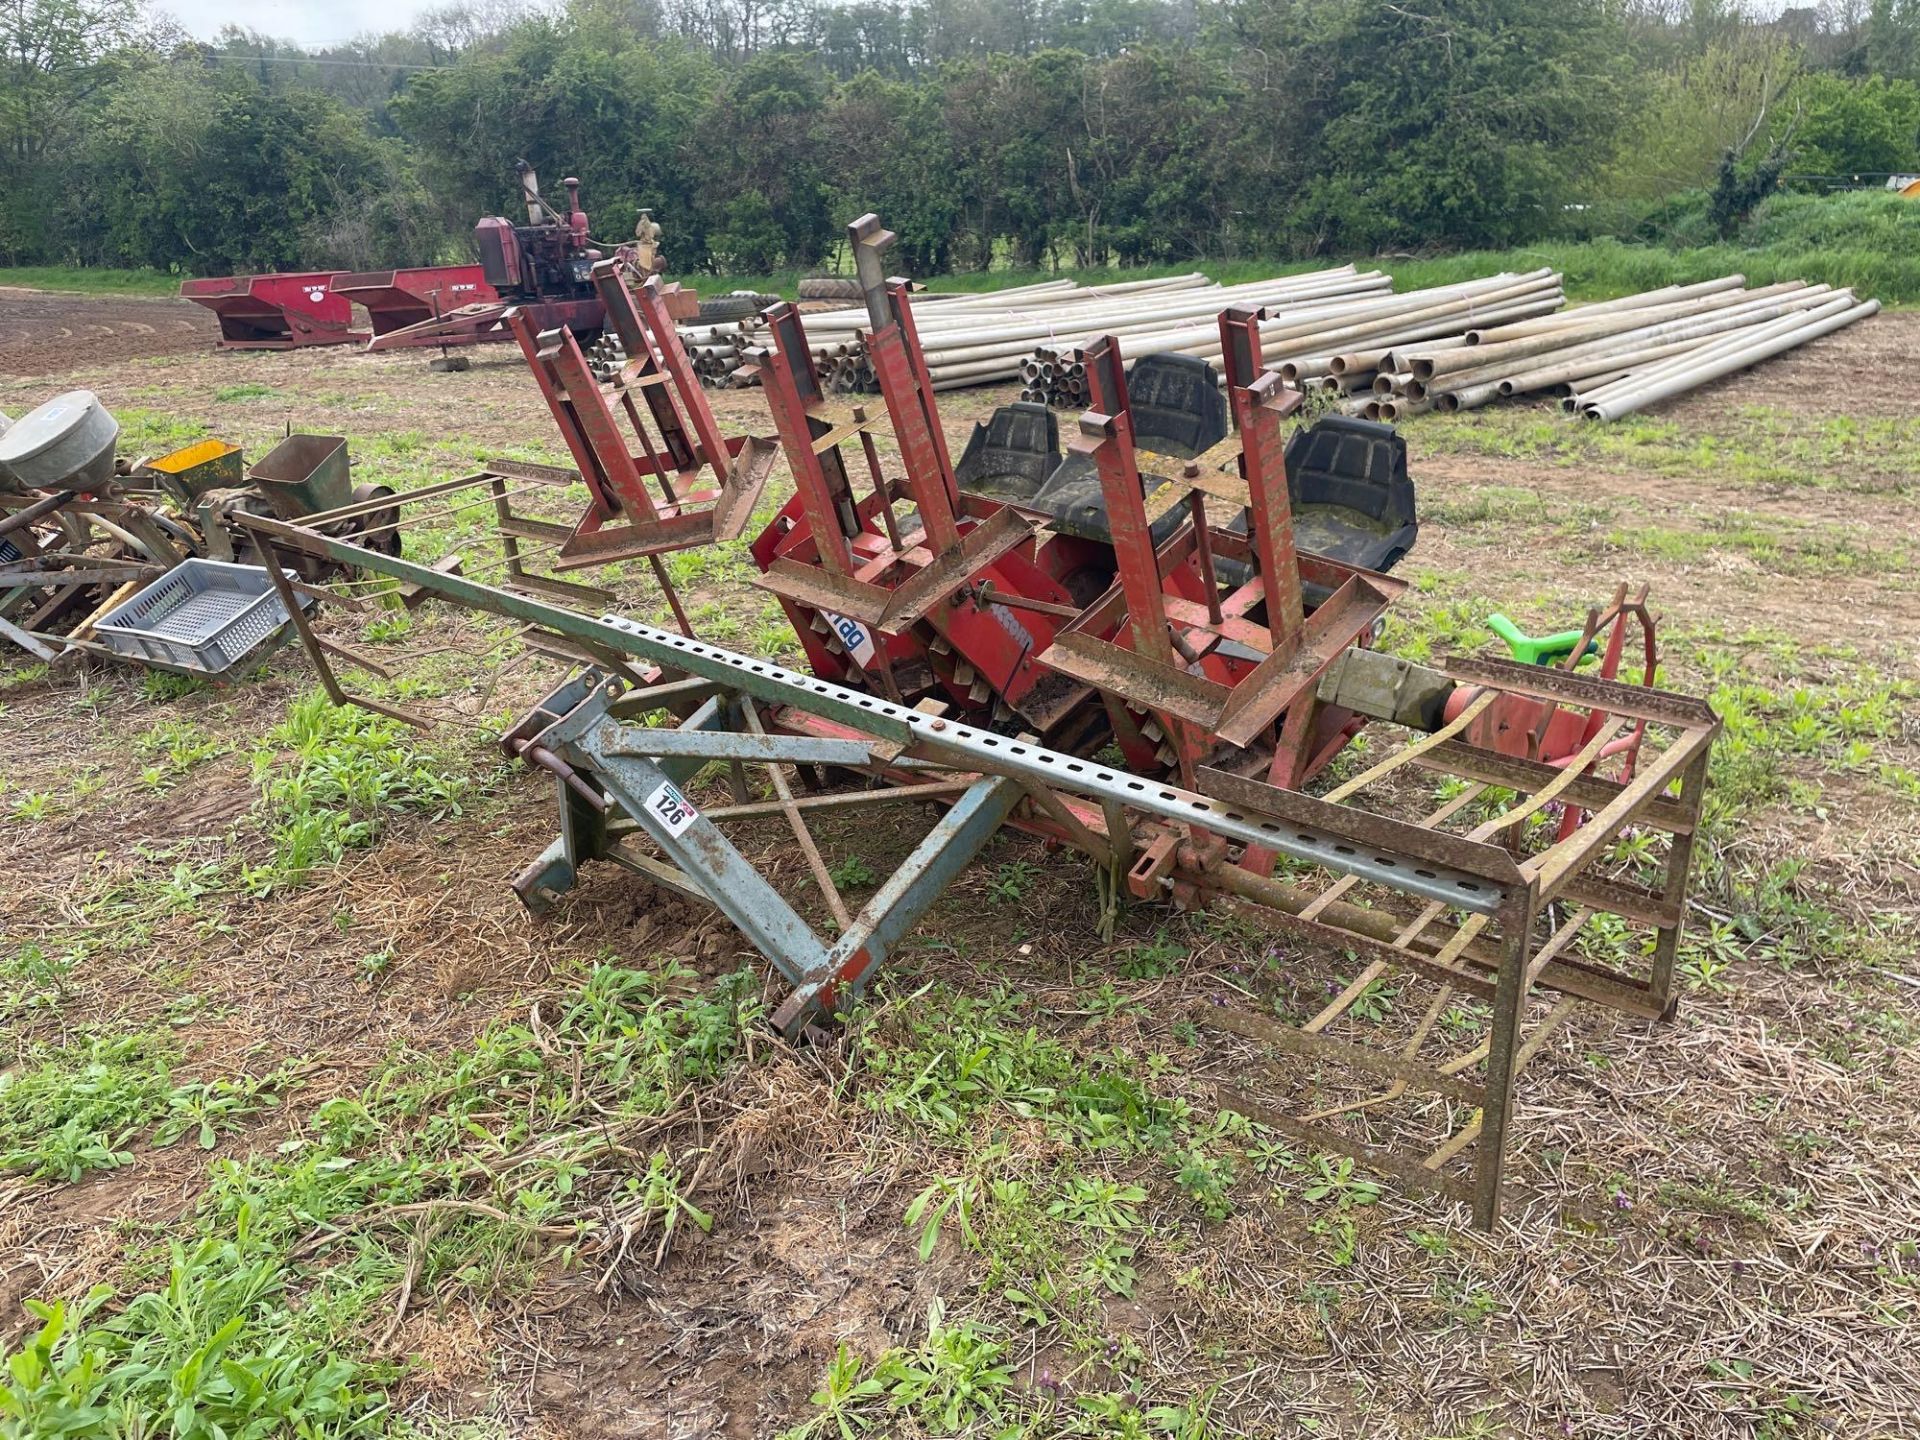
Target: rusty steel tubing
[1429, 363]
[989, 320]
[1310, 345]
[964, 346]
[1606, 321]
[1413, 304]
[1570, 402]
[1471, 398]
[1714, 346]
[1441, 323]
[1366, 313]
[1612, 361]
[1671, 292]
[1595, 355]
[1648, 309]
[1441, 334]
[1382, 358]
[1100, 320]
[1702, 373]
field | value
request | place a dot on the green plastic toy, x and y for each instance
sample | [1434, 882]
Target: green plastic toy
[1538, 649]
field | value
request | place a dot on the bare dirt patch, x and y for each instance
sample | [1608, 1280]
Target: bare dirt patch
[44, 333]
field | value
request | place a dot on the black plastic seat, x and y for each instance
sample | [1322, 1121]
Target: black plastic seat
[1177, 405]
[1352, 496]
[1178, 412]
[1010, 455]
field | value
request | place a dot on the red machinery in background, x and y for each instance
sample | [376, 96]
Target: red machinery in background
[276, 312]
[398, 299]
[544, 267]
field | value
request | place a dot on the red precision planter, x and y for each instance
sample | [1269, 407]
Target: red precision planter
[396, 299]
[276, 312]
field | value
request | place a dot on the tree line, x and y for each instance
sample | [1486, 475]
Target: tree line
[985, 131]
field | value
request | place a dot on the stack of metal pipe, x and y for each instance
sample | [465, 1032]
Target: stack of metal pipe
[715, 350]
[993, 338]
[1302, 335]
[1383, 354]
[1605, 360]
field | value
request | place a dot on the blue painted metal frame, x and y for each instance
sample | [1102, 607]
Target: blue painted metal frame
[629, 764]
[906, 896]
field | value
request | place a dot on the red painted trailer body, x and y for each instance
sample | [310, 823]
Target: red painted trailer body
[276, 312]
[396, 299]
[486, 322]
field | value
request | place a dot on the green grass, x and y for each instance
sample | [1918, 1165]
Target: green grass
[67, 1110]
[91, 281]
[331, 776]
[260, 1317]
[154, 432]
[1493, 514]
[963, 1379]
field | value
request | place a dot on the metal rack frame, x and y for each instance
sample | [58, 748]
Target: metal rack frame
[1495, 913]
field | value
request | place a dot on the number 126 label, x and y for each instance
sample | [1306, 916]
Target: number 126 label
[672, 809]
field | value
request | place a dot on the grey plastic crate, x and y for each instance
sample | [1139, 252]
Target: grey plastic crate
[202, 617]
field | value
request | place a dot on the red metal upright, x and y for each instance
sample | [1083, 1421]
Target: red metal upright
[1258, 405]
[1187, 650]
[939, 599]
[901, 371]
[708, 482]
[794, 394]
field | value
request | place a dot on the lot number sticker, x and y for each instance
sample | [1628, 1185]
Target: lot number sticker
[855, 636]
[672, 809]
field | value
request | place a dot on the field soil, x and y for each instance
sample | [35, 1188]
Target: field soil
[1713, 1221]
[44, 334]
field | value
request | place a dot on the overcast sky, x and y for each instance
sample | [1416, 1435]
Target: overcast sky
[308, 22]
